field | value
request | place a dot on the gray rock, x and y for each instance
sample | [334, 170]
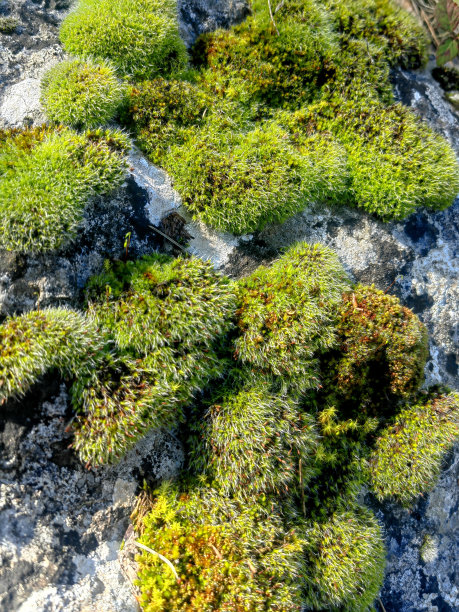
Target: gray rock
[199, 16]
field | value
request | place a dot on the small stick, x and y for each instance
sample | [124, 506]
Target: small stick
[150, 550]
[429, 25]
[272, 18]
[381, 604]
[168, 238]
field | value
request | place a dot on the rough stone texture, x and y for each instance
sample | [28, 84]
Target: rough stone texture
[61, 526]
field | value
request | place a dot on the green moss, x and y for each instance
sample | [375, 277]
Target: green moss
[409, 454]
[34, 343]
[46, 180]
[344, 562]
[8, 25]
[238, 181]
[81, 93]
[164, 317]
[161, 112]
[285, 314]
[381, 356]
[284, 68]
[140, 37]
[229, 555]
[396, 162]
[255, 442]
[385, 24]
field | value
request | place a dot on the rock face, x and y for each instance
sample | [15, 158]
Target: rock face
[60, 525]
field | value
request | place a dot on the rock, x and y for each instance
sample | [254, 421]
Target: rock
[61, 526]
[199, 16]
[414, 584]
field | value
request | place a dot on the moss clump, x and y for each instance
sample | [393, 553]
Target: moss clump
[383, 348]
[385, 24]
[164, 317]
[140, 37]
[161, 113]
[239, 181]
[285, 314]
[34, 343]
[47, 178]
[396, 162]
[255, 442]
[229, 555]
[344, 562]
[281, 68]
[409, 454]
[8, 25]
[81, 93]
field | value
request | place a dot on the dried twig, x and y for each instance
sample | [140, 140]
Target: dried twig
[272, 18]
[168, 238]
[150, 550]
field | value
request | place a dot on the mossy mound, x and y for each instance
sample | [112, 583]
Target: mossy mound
[81, 93]
[228, 555]
[409, 454]
[254, 442]
[239, 181]
[47, 178]
[344, 562]
[34, 343]
[140, 37]
[161, 113]
[286, 317]
[383, 348]
[165, 318]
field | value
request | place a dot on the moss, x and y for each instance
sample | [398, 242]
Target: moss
[140, 37]
[239, 181]
[34, 343]
[384, 24]
[81, 93]
[344, 562]
[396, 162]
[283, 68]
[409, 454]
[254, 442]
[164, 317]
[47, 178]
[161, 112]
[228, 555]
[8, 25]
[285, 314]
[381, 356]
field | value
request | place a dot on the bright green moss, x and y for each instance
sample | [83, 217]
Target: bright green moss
[140, 37]
[161, 112]
[47, 178]
[81, 93]
[409, 454]
[284, 68]
[8, 25]
[285, 314]
[381, 356]
[164, 317]
[344, 562]
[396, 162]
[229, 555]
[255, 442]
[34, 343]
[239, 181]
[385, 24]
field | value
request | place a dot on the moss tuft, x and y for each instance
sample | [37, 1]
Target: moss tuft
[409, 454]
[81, 93]
[164, 317]
[344, 562]
[34, 343]
[140, 37]
[229, 555]
[46, 179]
[8, 25]
[254, 442]
[285, 314]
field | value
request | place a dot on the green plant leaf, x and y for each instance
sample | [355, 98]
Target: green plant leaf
[447, 51]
